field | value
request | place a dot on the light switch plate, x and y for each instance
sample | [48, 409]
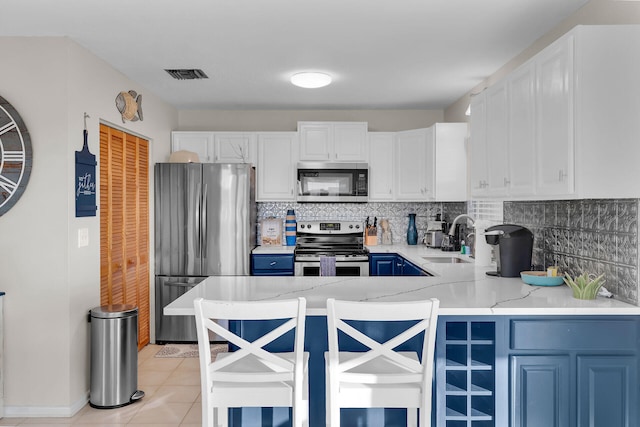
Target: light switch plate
[83, 237]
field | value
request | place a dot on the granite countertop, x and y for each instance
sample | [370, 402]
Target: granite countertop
[463, 289]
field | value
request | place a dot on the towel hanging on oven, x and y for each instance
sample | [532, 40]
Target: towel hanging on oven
[327, 266]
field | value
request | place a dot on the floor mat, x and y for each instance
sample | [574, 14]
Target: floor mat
[188, 350]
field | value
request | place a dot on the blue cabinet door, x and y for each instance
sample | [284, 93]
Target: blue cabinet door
[607, 391]
[410, 269]
[382, 265]
[393, 265]
[540, 393]
[272, 265]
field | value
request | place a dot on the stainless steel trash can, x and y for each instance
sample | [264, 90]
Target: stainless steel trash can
[114, 356]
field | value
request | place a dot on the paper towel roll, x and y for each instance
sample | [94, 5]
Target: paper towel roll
[483, 249]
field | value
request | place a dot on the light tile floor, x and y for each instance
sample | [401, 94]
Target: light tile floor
[172, 398]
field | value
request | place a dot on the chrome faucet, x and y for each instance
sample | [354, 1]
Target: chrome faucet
[452, 230]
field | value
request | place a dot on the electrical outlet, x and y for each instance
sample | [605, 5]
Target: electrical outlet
[83, 237]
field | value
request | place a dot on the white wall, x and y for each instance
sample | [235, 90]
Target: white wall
[50, 283]
[603, 12]
[287, 120]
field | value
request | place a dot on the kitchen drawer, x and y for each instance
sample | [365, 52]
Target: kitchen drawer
[272, 264]
[574, 334]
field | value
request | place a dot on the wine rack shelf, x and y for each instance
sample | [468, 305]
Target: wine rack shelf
[466, 373]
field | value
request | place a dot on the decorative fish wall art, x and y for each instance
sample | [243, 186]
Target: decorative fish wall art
[129, 104]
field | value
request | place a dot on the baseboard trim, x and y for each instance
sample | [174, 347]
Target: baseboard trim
[46, 411]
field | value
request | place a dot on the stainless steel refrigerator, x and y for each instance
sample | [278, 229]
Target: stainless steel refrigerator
[205, 225]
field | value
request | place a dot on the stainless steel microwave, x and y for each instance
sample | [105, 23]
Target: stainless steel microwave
[333, 182]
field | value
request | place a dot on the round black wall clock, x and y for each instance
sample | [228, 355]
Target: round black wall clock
[15, 156]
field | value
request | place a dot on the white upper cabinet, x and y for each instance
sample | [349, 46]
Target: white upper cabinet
[217, 147]
[234, 147]
[277, 157]
[497, 140]
[607, 81]
[572, 120]
[414, 173]
[419, 165]
[200, 143]
[522, 132]
[478, 181]
[554, 127]
[333, 141]
[450, 161]
[381, 159]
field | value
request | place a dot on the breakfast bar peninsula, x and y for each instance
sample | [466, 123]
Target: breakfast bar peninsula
[507, 353]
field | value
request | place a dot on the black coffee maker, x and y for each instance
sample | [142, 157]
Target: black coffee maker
[512, 248]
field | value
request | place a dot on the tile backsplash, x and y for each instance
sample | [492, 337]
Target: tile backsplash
[396, 213]
[598, 236]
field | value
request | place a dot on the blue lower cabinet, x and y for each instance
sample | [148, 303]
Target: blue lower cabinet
[410, 269]
[607, 391]
[316, 344]
[393, 265]
[383, 265]
[272, 265]
[574, 371]
[540, 392]
[495, 371]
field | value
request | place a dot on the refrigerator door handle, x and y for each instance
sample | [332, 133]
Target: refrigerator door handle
[180, 284]
[205, 237]
[197, 221]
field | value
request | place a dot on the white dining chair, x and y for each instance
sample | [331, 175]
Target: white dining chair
[381, 377]
[252, 376]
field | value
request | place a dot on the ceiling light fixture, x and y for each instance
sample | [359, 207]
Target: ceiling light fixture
[311, 80]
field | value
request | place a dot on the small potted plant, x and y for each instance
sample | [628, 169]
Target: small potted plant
[585, 286]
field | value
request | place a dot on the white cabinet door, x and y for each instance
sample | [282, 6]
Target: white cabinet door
[350, 142]
[478, 146]
[234, 147]
[197, 142]
[333, 141]
[450, 161]
[522, 132]
[276, 166]
[555, 120]
[497, 140]
[381, 156]
[414, 171]
[316, 141]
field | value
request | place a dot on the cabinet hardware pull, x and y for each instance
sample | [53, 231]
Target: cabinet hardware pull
[272, 263]
[506, 182]
[561, 175]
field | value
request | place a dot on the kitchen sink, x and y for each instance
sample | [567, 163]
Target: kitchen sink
[445, 259]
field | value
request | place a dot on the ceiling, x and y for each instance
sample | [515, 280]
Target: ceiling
[382, 54]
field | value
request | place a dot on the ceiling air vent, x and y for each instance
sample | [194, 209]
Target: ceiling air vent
[187, 74]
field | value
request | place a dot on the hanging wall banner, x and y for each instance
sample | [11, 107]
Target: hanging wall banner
[85, 180]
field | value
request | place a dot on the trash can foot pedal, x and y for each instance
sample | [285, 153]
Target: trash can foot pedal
[137, 395]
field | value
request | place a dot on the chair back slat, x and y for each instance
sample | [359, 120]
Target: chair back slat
[424, 312]
[280, 368]
[383, 349]
[254, 348]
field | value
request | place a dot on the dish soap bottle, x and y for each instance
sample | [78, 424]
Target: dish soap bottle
[412, 231]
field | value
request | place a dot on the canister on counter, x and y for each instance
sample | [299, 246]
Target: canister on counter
[290, 225]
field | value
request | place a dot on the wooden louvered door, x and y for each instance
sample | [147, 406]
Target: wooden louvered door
[124, 223]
